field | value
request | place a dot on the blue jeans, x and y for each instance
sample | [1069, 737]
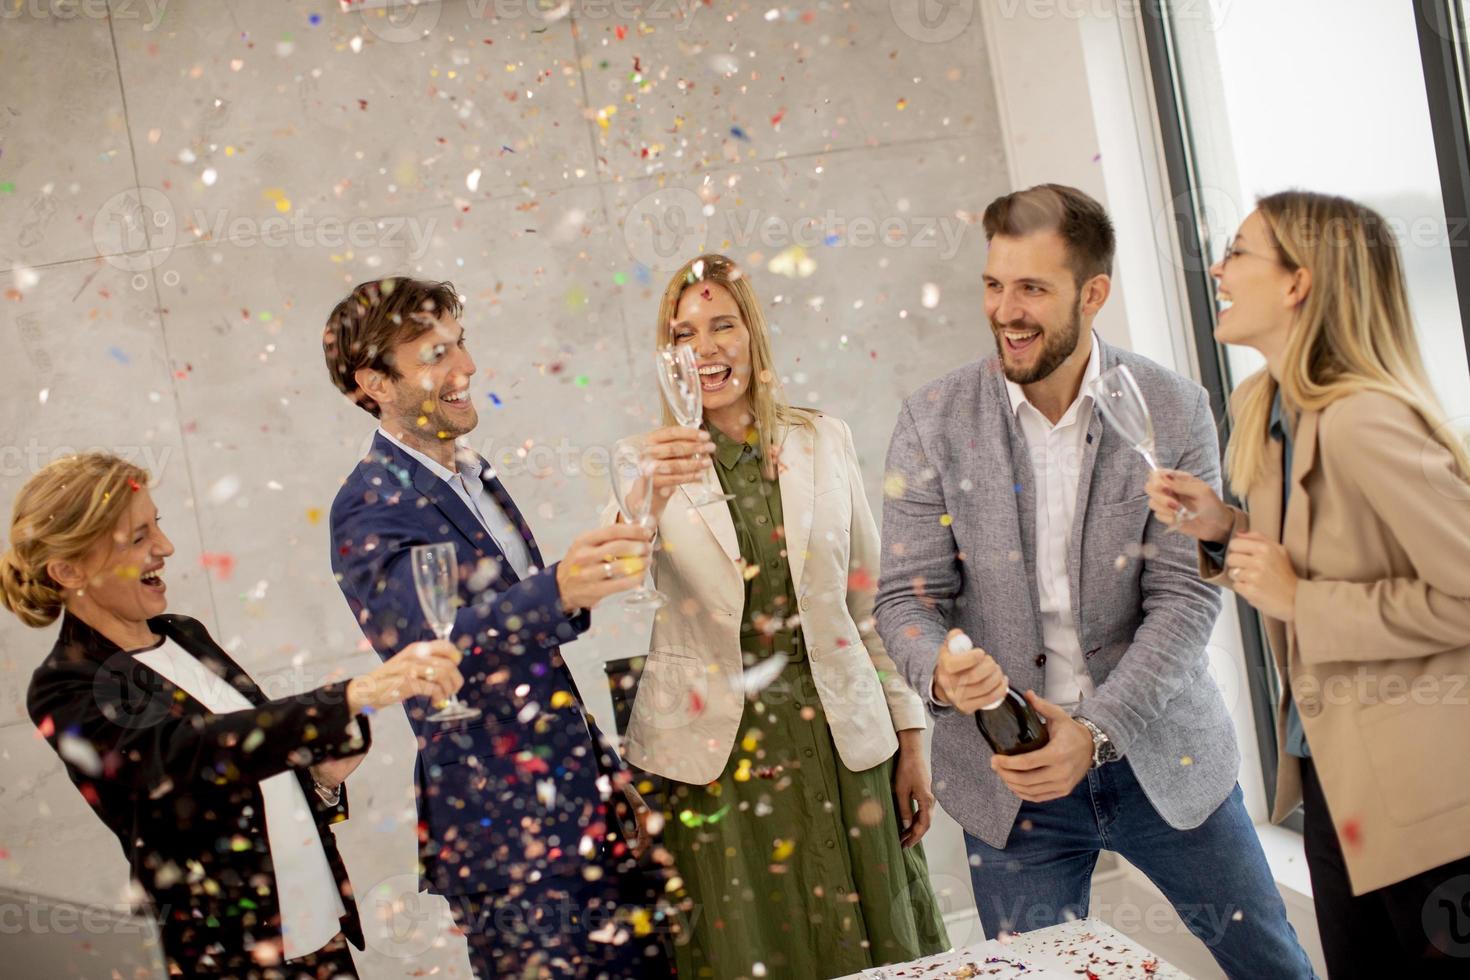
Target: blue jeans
[1215, 875]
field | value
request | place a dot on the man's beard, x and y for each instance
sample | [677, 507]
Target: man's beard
[437, 426]
[1056, 348]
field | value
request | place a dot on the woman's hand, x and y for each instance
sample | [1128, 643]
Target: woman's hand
[680, 455]
[911, 787]
[1172, 491]
[1260, 573]
[427, 669]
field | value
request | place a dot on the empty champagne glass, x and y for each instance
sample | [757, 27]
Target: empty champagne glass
[631, 473]
[436, 579]
[1121, 402]
[678, 376]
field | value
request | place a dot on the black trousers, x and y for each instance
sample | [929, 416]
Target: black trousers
[1418, 927]
[332, 962]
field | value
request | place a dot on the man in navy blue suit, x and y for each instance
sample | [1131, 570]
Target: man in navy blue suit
[520, 809]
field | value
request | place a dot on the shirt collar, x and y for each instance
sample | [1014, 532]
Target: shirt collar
[730, 451]
[1091, 374]
[1277, 426]
[467, 462]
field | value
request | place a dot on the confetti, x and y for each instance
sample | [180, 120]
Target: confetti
[763, 674]
[222, 564]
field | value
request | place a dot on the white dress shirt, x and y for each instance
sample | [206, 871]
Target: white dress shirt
[467, 482]
[1056, 462]
[305, 887]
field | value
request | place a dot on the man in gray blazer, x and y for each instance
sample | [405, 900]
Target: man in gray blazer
[1013, 514]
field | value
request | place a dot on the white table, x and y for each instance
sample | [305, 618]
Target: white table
[1080, 950]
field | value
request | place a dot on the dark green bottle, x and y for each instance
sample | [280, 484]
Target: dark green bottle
[1010, 725]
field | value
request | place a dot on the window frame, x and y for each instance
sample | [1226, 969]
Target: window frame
[1445, 60]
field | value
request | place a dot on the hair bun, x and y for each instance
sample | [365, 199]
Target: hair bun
[33, 599]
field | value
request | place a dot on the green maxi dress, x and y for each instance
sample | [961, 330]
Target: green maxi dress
[790, 863]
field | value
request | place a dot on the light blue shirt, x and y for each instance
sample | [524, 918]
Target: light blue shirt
[468, 482]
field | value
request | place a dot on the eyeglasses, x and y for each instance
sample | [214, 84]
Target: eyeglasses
[1231, 251]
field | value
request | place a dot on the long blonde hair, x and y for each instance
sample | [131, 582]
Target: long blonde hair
[59, 515]
[1353, 333]
[773, 414]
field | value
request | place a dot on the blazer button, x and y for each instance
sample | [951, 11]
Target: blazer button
[1041, 660]
[1310, 706]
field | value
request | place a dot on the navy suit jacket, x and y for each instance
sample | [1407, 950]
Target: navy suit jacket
[517, 789]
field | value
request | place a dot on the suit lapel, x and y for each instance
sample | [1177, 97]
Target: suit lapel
[1021, 499]
[716, 517]
[798, 496]
[1266, 519]
[1297, 521]
[447, 502]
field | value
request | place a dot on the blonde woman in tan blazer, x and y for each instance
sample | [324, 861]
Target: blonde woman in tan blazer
[1355, 548]
[796, 783]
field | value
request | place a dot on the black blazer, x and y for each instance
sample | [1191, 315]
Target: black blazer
[179, 785]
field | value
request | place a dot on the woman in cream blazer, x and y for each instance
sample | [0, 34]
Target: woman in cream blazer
[796, 787]
[1355, 549]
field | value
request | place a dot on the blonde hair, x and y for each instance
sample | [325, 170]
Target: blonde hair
[773, 416]
[1353, 333]
[59, 515]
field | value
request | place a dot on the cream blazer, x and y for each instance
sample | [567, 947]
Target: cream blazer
[692, 691]
[1378, 654]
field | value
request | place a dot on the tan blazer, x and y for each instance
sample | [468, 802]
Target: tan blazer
[1378, 529]
[692, 692]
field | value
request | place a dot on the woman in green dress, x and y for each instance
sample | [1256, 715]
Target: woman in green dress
[792, 772]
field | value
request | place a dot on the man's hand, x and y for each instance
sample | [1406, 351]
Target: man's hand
[968, 679]
[1054, 770]
[601, 562]
[911, 787]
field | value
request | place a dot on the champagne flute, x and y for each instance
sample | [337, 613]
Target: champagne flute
[678, 376]
[629, 468]
[436, 579]
[1121, 402]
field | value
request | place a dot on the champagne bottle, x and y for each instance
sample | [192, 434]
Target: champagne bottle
[1010, 725]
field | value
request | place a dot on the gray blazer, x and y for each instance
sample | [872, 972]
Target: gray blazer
[1143, 615]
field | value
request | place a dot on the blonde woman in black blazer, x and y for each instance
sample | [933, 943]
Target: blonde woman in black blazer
[125, 699]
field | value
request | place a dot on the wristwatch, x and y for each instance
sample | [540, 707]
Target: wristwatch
[1103, 749]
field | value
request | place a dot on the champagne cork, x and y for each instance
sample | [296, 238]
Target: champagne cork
[960, 643]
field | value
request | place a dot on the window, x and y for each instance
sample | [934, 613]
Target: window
[1354, 97]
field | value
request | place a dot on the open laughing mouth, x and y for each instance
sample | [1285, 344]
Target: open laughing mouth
[457, 400]
[713, 377]
[1020, 341]
[152, 579]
